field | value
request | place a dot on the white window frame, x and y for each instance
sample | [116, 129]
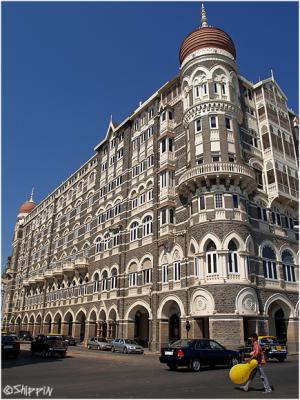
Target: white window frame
[165, 271]
[177, 271]
[132, 279]
[219, 203]
[210, 120]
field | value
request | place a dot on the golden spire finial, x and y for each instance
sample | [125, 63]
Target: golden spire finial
[204, 22]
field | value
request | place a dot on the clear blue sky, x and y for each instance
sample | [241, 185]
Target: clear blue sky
[67, 66]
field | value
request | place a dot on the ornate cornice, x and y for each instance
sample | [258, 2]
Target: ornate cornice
[212, 106]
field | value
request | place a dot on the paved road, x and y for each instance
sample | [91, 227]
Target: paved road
[94, 374]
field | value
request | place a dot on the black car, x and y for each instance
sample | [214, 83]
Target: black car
[9, 346]
[48, 345]
[69, 340]
[195, 353]
[26, 336]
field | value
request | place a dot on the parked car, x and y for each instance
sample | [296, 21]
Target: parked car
[98, 343]
[195, 353]
[48, 345]
[69, 340]
[25, 335]
[126, 346]
[9, 346]
[270, 345]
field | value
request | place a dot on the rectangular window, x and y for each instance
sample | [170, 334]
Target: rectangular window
[165, 273]
[132, 279]
[219, 200]
[171, 215]
[198, 125]
[215, 87]
[163, 217]
[213, 122]
[120, 153]
[112, 160]
[215, 158]
[228, 123]
[235, 200]
[202, 202]
[223, 88]
[147, 276]
[142, 198]
[197, 266]
[200, 161]
[177, 272]
[204, 88]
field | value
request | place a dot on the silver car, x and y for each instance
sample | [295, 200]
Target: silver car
[126, 346]
[98, 343]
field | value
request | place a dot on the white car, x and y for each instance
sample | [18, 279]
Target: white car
[126, 346]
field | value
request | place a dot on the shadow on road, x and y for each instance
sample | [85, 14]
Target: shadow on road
[25, 358]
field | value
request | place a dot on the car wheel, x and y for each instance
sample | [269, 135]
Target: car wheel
[98, 347]
[234, 360]
[113, 349]
[125, 351]
[281, 359]
[195, 365]
[172, 367]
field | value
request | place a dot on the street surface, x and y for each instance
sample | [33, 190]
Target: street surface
[95, 374]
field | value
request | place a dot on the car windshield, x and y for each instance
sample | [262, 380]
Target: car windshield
[54, 338]
[181, 343]
[127, 341]
[269, 341]
[101, 339]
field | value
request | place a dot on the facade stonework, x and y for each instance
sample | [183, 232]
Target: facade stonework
[186, 212]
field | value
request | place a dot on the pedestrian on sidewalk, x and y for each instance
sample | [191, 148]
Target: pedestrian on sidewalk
[258, 355]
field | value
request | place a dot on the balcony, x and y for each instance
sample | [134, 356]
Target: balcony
[81, 263]
[167, 158]
[57, 271]
[48, 274]
[239, 172]
[31, 281]
[283, 193]
[68, 266]
[167, 125]
[39, 278]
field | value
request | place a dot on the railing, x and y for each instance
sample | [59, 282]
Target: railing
[215, 168]
[212, 277]
[214, 134]
[167, 156]
[166, 125]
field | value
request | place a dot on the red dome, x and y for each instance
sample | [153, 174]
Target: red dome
[208, 36]
[27, 207]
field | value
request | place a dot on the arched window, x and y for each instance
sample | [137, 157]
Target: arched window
[134, 231]
[104, 281]
[132, 275]
[134, 200]
[232, 258]
[147, 226]
[118, 208]
[177, 271]
[114, 278]
[98, 245]
[288, 266]
[269, 263]
[106, 241]
[211, 258]
[96, 283]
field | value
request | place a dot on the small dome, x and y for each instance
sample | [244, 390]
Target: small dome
[27, 207]
[206, 37]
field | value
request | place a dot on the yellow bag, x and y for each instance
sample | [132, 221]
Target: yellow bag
[240, 373]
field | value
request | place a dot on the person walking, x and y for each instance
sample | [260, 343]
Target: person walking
[258, 355]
